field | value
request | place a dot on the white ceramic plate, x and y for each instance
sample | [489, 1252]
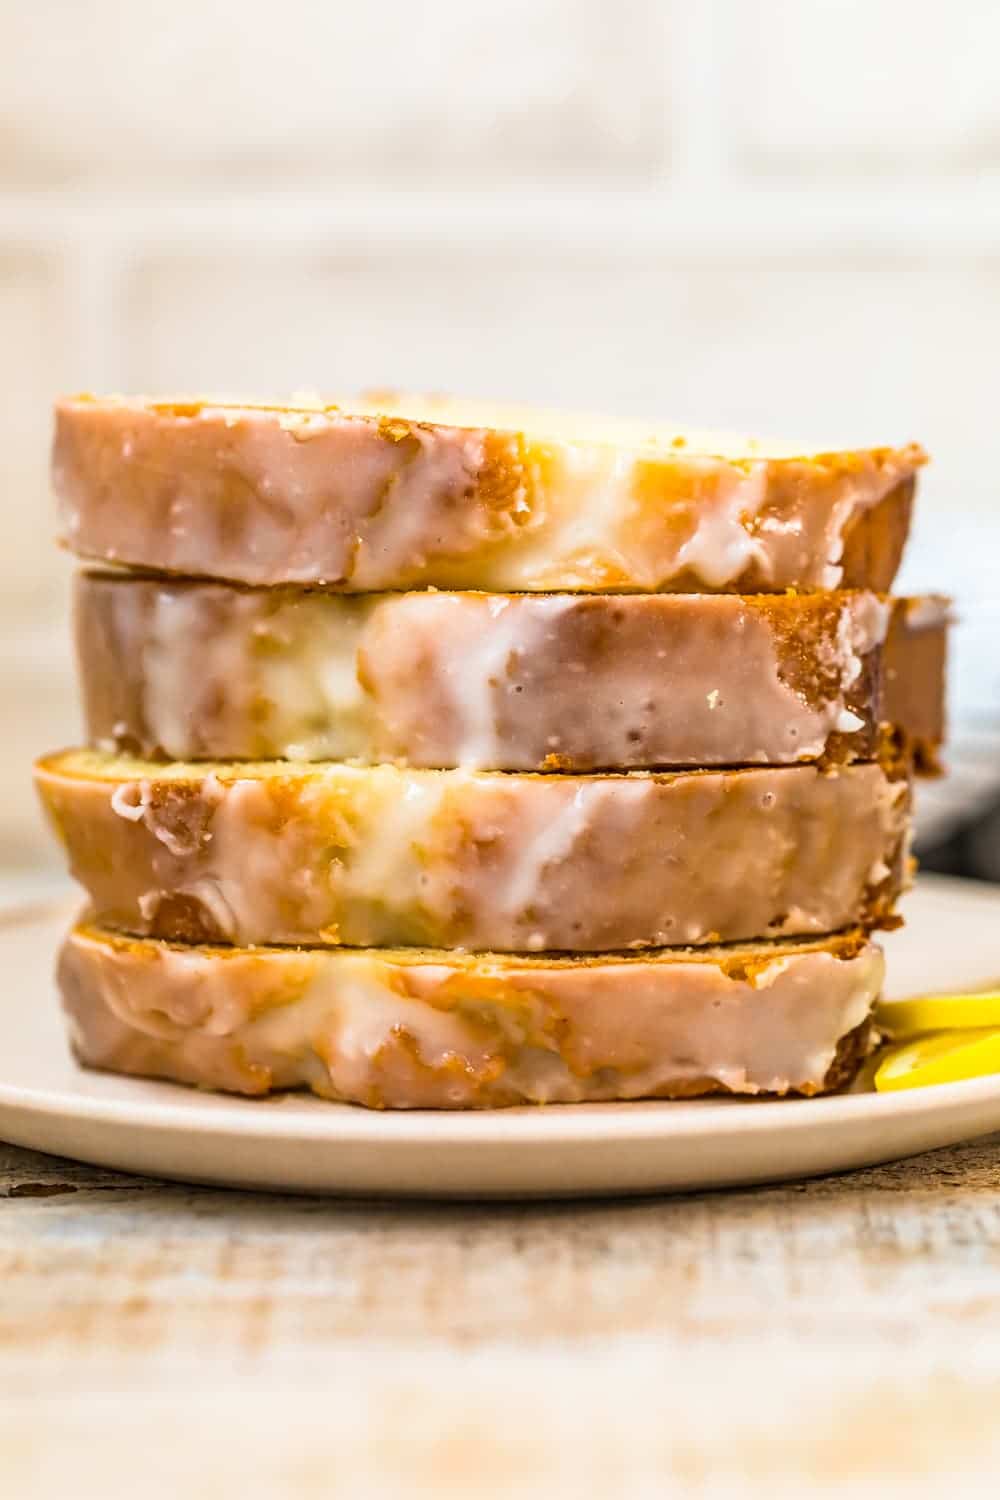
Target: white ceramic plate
[300, 1144]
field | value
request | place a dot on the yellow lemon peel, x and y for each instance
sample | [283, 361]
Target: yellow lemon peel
[906, 1018]
[940, 1057]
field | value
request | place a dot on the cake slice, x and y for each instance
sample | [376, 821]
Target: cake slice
[333, 854]
[511, 682]
[441, 1030]
[394, 492]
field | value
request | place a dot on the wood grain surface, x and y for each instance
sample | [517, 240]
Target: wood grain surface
[822, 1338]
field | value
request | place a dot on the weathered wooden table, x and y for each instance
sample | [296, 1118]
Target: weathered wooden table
[832, 1337]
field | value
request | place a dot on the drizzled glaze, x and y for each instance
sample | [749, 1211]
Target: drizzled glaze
[506, 682]
[477, 860]
[404, 494]
[430, 1030]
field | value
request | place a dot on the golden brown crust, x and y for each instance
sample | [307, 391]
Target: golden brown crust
[875, 539]
[737, 961]
[913, 680]
[852, 1050]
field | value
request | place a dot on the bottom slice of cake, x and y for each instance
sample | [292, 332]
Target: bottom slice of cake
[409, 1028]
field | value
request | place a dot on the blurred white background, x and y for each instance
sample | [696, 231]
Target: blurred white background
[781, 215]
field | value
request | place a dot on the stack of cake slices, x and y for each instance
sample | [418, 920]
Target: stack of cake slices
[447, 757]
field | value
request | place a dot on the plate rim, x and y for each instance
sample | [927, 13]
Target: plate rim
[164, 1107]
[565, 1124]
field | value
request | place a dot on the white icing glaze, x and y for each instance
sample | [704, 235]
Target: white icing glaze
[589, 511]
[270, 496]
[475, 670]
[385, 863]
[128, 801]
[549, 842]
[430, 1030]
[169, 661]
[405, 536]
[479, 860]
[475, 647]
[720, 546]
[928, 613]
[308, 678]
[453, 679]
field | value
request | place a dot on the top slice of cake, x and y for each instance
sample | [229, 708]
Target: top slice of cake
[394, 492]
